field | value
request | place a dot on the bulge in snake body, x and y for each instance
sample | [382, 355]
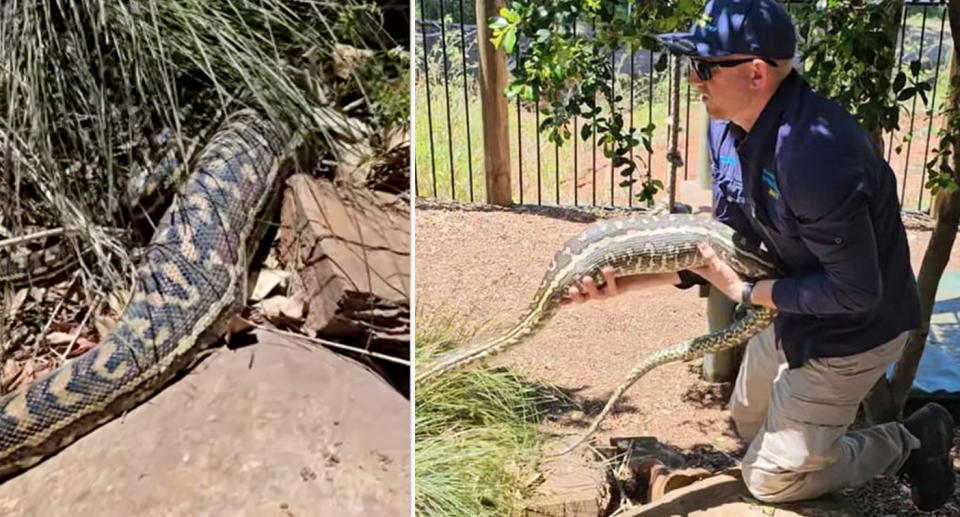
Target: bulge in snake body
[635, 245]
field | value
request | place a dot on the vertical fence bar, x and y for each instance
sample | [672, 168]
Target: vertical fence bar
[536, 98]
[633, 77]
[466, 101]
[613, 96]
[933, 106]
[426, 82]
[686, 138]
[519, 131]
[556, 161]
[446, 88]
[593, 132]
[650, 118]
[913, 111]
[903, 37]
[576, 138]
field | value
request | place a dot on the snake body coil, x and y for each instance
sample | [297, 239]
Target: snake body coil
[192, 281]
[632, 245]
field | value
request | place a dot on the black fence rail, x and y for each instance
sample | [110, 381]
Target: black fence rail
[449, 147]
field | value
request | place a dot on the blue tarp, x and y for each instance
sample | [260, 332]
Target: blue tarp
[938, 375]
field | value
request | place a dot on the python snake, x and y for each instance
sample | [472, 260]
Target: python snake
[631, 245]
[192, 280]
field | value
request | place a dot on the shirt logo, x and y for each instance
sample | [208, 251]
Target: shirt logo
[727, 160]
[770, 179]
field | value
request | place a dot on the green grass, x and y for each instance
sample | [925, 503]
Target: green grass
[475, 438]
[87, 88]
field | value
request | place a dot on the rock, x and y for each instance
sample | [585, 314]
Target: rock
[273, 429]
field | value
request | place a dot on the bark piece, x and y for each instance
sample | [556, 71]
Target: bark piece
[574, 487]
[351, 251]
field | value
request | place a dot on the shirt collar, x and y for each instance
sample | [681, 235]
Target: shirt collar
[763, 129]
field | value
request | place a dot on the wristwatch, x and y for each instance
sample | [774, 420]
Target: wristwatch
[747, 293]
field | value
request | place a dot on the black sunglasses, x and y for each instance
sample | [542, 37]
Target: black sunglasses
[704, 69]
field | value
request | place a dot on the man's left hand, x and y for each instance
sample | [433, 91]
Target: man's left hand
[719, 273]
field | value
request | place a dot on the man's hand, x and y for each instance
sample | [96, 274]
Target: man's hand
[591, 291]
[719, 273]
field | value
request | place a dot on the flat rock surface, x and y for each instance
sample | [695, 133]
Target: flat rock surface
[273, 429]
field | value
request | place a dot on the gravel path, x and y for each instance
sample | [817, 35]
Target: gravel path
[477, 268]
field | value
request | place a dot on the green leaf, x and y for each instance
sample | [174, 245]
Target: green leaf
[661, 62]
[915, 67]
[497, 39]
[585, 132]
[509, 40]
[906, 93]
[899, 82]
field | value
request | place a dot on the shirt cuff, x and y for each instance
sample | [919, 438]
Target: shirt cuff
[688, 279]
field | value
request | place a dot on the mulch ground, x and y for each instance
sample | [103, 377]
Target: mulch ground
[478, 267]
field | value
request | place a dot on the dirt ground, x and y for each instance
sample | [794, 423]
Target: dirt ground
[477, 268]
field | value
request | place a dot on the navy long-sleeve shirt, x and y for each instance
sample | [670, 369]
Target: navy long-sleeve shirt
[808, 183]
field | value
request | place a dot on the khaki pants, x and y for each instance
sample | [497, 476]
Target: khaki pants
[797, 422]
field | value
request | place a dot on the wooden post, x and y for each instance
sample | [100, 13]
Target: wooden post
[493, 106]
[717, 366]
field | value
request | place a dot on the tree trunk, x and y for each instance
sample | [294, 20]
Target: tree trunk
[887, 399]
[493, 105]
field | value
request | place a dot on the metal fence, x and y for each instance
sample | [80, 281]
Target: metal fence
[449, 150]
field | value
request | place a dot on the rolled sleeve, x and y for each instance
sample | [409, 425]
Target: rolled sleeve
[844, 241]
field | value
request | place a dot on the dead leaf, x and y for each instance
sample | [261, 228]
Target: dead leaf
[18, 298]
[238, 325]
[104, 323]
[283, 310]
[81, 346]
[37, 293]
[59, 338]
[267, 281]
[395, 136]
[11, 373]
[346, 59]
[29, 372]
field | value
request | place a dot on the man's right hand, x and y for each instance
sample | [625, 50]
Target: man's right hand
[590, 289]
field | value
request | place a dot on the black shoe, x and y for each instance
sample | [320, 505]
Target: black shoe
[929, 469]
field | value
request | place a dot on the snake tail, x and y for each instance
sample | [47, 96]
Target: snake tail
[755, 320]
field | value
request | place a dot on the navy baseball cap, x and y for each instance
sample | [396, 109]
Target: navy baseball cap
[754, 27]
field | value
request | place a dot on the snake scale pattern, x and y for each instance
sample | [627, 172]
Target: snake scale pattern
[192, 280]
[631, 245]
